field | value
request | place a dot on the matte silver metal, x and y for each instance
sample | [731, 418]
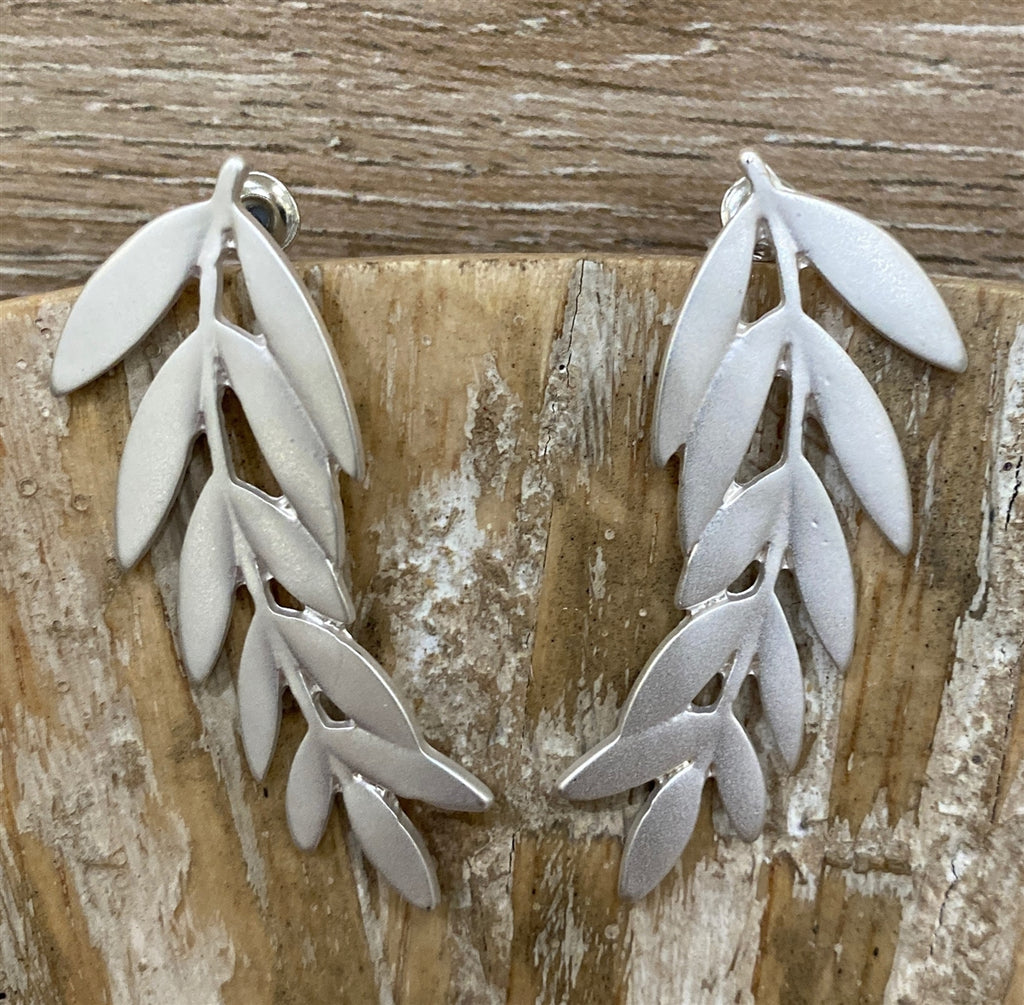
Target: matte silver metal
[270, 202]
[290, 385]
[715, 378]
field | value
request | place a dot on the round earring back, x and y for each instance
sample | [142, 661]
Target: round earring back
[272, 206]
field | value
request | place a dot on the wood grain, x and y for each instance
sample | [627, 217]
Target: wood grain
[515, 561]
[413, 127]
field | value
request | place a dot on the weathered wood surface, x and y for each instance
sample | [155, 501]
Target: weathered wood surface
[480, 125]
[515, 561]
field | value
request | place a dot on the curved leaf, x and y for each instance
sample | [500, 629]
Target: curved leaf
[391, 842]
[621, 762]
[259, 696]
[287, 550]
[735, 537]
[309, 794]
[876, 276]
[206, 582]
[860, 435]
[703, 333]
[127, 295]
[726, 420]
[661, 831]
[384, 744]
[287, 438]
[821, 564]
[657, 728]
[686, 660]
[298, 340]
[157, 449]
[781, 683]
[349, 676]
[416, 773]
[739, 779]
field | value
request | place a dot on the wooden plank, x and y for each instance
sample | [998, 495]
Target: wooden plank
[515, 561]
[484, 126]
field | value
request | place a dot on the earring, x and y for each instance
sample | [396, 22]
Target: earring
[287, 378]
[715, 378]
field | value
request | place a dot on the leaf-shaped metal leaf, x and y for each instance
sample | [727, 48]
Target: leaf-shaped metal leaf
[310, 792]
[349, 676]
[703, 333]
[734, 537]
[285, 434]
[288, 380]
[821, 563]
[127, 295]
[384, 743]
[206, 581]
[860, 435]
[296, 335]
[726, 420]
[660, 831]
[158, 447]
[875, 275]
[414, 772]
[287, 550]
[623, 761]
[657, 730]
[739, 778]
[686, 660]
[715, 379]
[390, 841]
[781, 683]
[259, 695]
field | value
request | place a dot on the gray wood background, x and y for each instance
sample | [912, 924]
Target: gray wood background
[452, 127]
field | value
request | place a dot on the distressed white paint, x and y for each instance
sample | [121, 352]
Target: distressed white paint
[461, 651]
[430, 555]
[85, 783]
[23, 964]
[449, 653]
[959, 856]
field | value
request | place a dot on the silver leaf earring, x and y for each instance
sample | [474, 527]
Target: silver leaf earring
[715, 378]
[287, 378]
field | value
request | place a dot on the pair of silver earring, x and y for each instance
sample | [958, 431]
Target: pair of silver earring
[715, 377]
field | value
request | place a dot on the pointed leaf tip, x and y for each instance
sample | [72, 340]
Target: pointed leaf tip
[157, 451]
[259, 696]
[127, 295]
[860, 435]
[578, 781]
[310, 793]
[703, 333]
[299, 341]
[207, 577]
[391, 842]
[876, 276]
[660, 832]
